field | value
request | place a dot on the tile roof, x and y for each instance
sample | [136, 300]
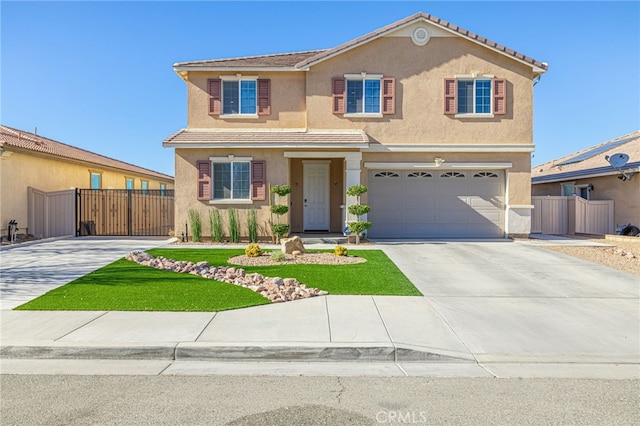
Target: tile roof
[590, 161]
[25, 141]
[267, 138]
[288, 60]
[302, 60]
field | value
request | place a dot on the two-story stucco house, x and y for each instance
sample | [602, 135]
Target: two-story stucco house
[436, 121]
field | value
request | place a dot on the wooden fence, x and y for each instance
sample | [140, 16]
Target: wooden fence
[572, 215]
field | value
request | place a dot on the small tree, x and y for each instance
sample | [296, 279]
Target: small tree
[359, 226]
[279, 229]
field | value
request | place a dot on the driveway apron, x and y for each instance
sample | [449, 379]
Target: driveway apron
[518, 302]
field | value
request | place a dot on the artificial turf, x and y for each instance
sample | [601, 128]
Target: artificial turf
[127, 286]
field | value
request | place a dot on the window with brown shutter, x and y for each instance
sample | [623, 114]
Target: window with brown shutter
[499, 96]
[389, 95]
[204, 180]
[264, 96]
[214, 96]
[258, 180]
[338, 95]
[449, 100]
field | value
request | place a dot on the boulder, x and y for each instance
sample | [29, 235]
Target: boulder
[289, 245]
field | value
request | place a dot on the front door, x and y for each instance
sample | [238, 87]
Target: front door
[316, 196]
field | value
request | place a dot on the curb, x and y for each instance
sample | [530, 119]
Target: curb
[193, 351]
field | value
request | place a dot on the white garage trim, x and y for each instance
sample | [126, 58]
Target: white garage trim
[450, 148]
[444, 166]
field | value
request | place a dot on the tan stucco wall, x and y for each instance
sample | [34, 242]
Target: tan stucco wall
[626, 195]
[19, 170]
[186, 187]
[287, 102]
[420, 72]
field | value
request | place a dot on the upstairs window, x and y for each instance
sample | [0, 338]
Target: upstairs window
[239, 97]
[470, 96]
[474, 97]
[363, 94]
[230, 96]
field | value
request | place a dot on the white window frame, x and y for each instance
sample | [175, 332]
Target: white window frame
[475, 77]
[230, 159]
[362, 77]
[239, 78]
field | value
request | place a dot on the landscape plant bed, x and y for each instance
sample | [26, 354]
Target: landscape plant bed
[126, 286]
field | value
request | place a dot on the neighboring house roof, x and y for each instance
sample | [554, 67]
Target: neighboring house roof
[303, 60]
[272, 138]
[590, 162]
[18, 140]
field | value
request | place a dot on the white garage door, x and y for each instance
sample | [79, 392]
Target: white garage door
[436, 204]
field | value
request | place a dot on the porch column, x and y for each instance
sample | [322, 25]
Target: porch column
[352, 177]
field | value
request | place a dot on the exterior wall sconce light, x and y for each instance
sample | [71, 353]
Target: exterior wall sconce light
[439, 161]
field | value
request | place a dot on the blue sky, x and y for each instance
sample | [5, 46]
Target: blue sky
[98, 75]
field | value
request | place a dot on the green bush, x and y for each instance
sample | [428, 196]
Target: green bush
[279, 209]
[234, 226]
[281, 190]
[252, 225]
[359, 209]
[280, 229]
[278, 256]
[253, 250]
[196, 225]
[340, 251]
[356, 190]
[216, 225]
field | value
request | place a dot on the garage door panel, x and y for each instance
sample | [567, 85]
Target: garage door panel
[419, 203]
[486, 202]
[446, 204]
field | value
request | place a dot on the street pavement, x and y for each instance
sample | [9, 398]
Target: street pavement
[490, 309]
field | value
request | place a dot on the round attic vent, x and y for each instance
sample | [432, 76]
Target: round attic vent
[420, 36]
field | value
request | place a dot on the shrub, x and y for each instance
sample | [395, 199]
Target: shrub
[216, 225]
[278, 256]
[196, 225]
[359, 226]
[279, 209]
[280, 229]
[359, 209]
[253, 250]
[340, 251]
[252, 226]
[234, 226]
[281, 190]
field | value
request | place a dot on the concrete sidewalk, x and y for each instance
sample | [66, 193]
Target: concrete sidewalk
[489, 309]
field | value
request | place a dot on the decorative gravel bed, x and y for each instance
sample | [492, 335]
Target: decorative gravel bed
[304, 258]
[624, 255]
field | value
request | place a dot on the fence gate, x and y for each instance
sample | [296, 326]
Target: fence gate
[120, 212]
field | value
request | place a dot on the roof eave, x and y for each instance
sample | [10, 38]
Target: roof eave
[309, 62]
[575, 175]
[277, 145]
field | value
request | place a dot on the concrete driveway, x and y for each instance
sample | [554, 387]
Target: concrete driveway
[518, 302]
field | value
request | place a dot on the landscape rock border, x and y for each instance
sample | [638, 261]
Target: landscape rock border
[275, 289]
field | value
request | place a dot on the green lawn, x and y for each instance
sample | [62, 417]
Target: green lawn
[127, 286]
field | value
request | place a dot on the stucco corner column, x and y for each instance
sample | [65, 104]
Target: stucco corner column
[518, 219]
[353, 160]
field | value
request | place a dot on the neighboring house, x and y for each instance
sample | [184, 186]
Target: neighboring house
[28, 160]
[588, 174]
[436, 121]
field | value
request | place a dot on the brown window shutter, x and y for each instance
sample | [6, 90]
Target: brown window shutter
[338, 88]
[449, 101]
[264, 97]
[204, 180]
[215, 96]
[388, 95]
[258, 180]
[499, 96]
